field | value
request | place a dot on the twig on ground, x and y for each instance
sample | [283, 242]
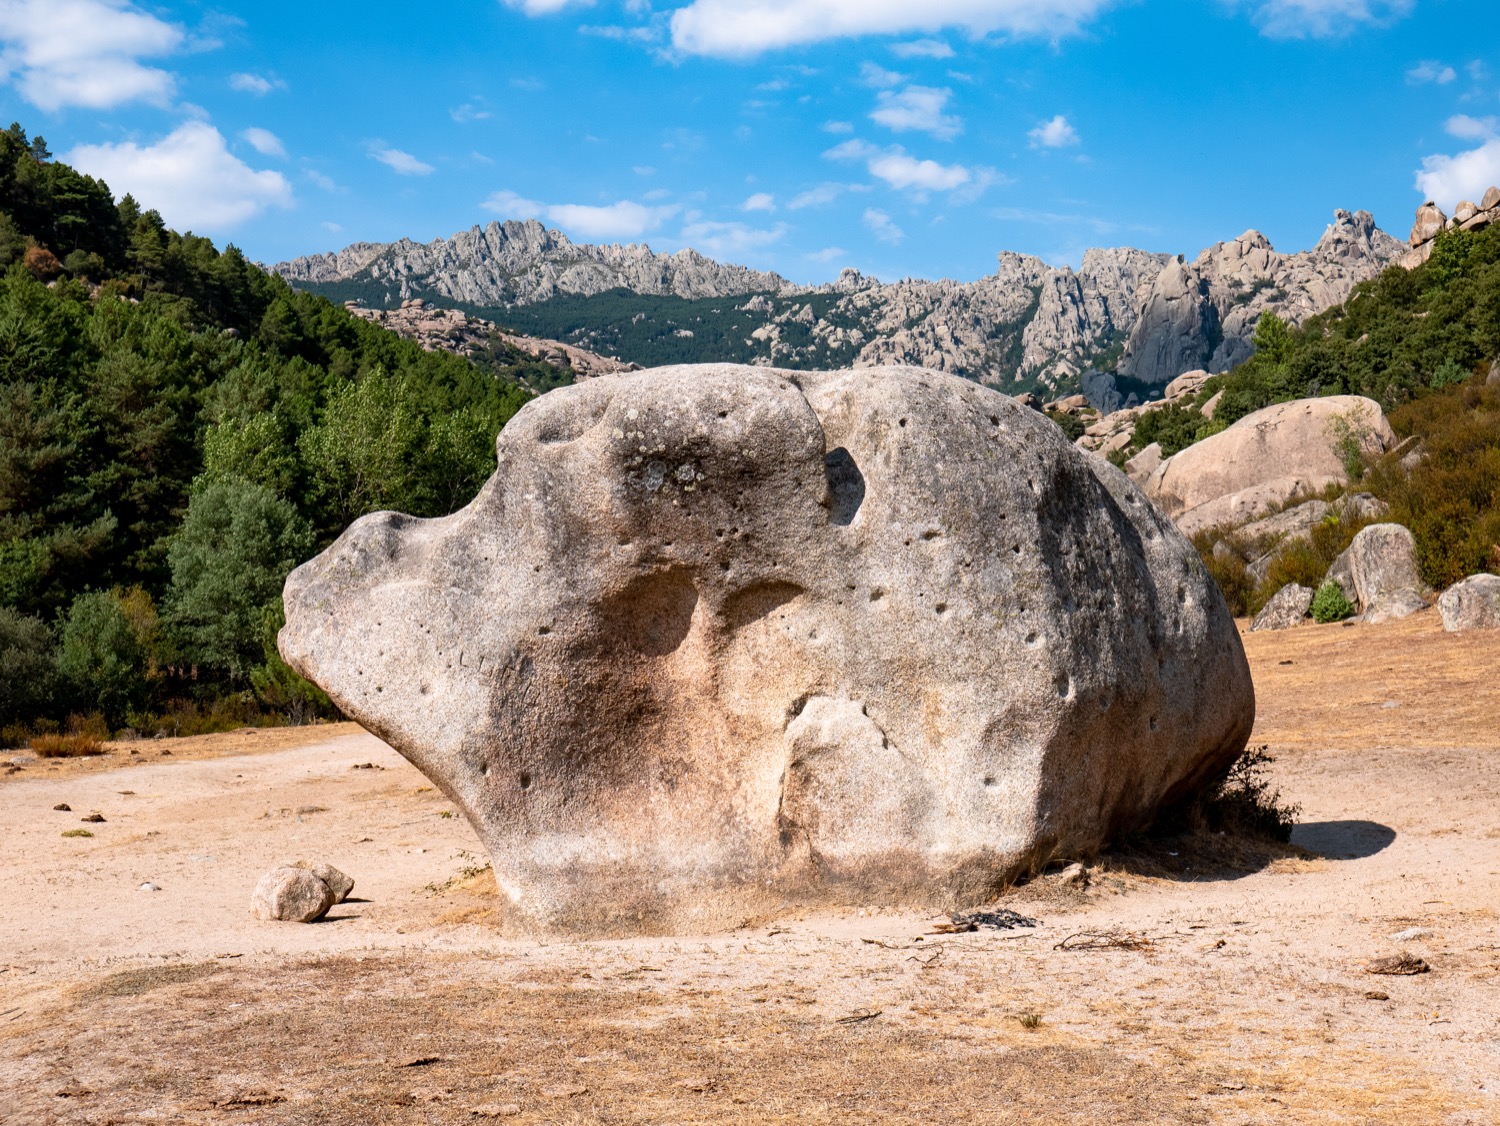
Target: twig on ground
[1104, 940]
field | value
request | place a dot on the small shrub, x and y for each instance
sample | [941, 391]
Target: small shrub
[1329, 604]
[77, 833]
[74, 745]
[1246, 803]
[1030, 1021]
[1227, 566]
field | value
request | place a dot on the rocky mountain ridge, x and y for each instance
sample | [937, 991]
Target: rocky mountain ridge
[1147, 316]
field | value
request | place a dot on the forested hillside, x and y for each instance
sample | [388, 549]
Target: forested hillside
[178, 429]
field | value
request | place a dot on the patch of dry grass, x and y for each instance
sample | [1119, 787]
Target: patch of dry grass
[75, 745]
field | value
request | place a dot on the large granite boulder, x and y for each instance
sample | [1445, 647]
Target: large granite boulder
[1378, 574]
[1265, 459]
[717, 639]
[1473, 603]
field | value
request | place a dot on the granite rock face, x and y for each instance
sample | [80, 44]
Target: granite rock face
[1029, 322]
[1473, 603]
[1266, 458]
[1203, 314]
[1287, 608]
[718, 639]
[1378, 573]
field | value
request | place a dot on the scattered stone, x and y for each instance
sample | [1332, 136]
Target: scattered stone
[1288, 607]
[293, 895]
[1142, 465]
[63, 807]
[1377, 995]
[1074, 875]
[723, 647]
[1473, 603]
[1398, 965]
[1411, 934]
[340, 884]
[1378, 574]
[148, 886]
[93, 818]
[496, 1110]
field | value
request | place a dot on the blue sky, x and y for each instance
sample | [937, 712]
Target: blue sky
[903, 139]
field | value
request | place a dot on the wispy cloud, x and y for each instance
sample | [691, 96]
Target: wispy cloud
[1467, 128]
[256, 84]
[264, 142]
[760, 201]
[402, 163]
[1054, 134]
[922, 49]
[750, 27]
[85, 53]
[729, 240]
[1322, 19]
[1430, 70]
[469, 111]
[822, 195]
[901, 170]
[882, 226]
[919, 109]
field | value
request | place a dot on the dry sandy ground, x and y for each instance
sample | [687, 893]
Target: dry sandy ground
[1246, 1001]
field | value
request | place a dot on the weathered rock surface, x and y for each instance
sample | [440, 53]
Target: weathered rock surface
[291, 894]
[340, 884]
[1378, 574]
[455, 331]
[1203, 314]
[1265, 459]
[1473, 603]
[1288, 607]
[718, 639]
[1431, 222]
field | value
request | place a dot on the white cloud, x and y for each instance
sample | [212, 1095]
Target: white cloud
[760, 201]
[917, 108]
[1429, 70]
[402, 163]
[190, 176]
[625, 219]
[469, 112]
[922, 49]
[331, 227]
[729, 240]
[1054, 134]
[748, 27]
[1302, 19]
[255, 84]
[872, 74]
[542, 7]
[902, 171]
[264, 142]
[828, 254]
[1467, 128]
[882, 227]
[1448, 179]
[838, 127]
[322, 181]
[822, 195]
[84, 52]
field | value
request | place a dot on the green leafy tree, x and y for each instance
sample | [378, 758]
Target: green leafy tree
[27, 674]
[238, 543]
[101, 658]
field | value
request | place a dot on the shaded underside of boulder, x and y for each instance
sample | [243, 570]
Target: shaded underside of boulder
[1265, 459]
[718, 639]
[1473, 603]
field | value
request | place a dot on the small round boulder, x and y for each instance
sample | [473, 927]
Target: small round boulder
[292, 895]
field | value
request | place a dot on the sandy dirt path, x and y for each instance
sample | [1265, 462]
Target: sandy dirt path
[1246, 999]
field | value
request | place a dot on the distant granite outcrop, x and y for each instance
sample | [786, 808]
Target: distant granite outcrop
[1203, 314]
[1150, 317]
[1431, 222]
[452, 330]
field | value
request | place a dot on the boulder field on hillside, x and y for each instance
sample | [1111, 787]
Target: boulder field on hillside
[1266, 459]
[718, 640]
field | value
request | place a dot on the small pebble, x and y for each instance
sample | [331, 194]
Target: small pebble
[94, 818]
[1411, 934]
[148, 886]
[64, 806]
